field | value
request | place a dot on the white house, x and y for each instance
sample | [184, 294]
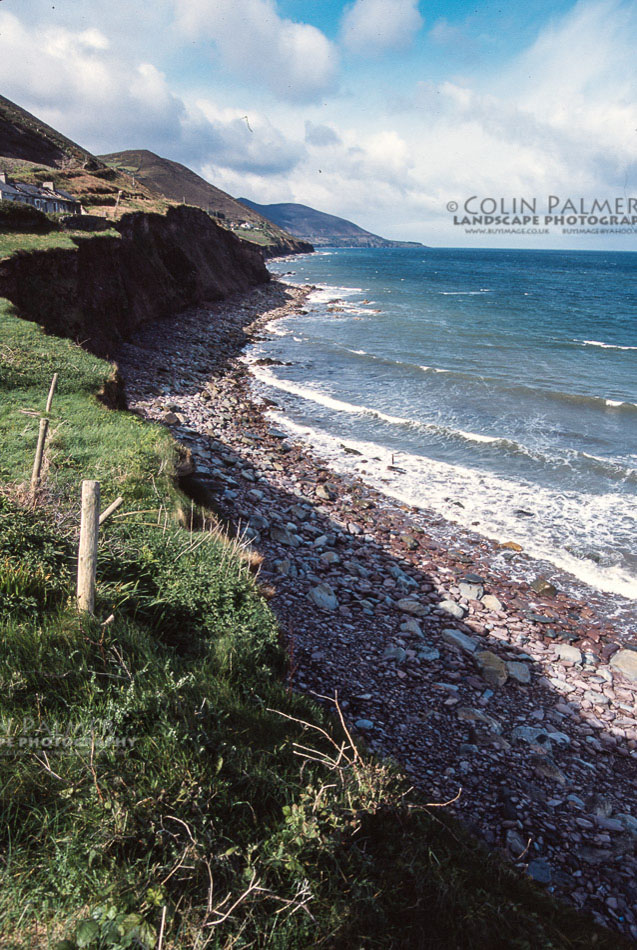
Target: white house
[44, 197]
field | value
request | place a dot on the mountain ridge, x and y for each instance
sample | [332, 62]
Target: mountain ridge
[320, 228]
[178, 183]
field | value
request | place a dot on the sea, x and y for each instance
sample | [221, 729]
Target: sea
[496, 388]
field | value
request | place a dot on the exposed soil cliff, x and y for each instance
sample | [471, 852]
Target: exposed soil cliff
[286, 246]
[100, 292]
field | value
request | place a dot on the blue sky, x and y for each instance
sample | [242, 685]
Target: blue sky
[382, 111]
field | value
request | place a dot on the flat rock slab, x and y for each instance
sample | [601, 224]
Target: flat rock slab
[456, 638]
[470, 591]
[625, 661]
[412, 607]
[451, 607]
[476, 716]
[324, 597]
[521, 672]
[571, 654]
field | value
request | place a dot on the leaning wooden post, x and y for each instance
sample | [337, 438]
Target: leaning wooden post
[111, 508]
[39, 452]
[87, 555]
[49, 400]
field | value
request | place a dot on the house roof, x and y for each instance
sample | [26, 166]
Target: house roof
[7, 189]
[26, 189]
[35, 191]
[66, 195]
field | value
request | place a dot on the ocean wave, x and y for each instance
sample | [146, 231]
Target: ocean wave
[596, 402]
[501, 443]
[604, 346]
[601, 524]
[463, 293]
[332, 292]
[339, 405]
[323, 399]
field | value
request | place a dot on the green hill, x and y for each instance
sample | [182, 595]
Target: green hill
[179, 183]
[26, 138]
[321, 229]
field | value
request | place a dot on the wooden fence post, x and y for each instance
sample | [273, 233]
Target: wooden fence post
[87, 555]
[111, 508]
[39, 452]
[49, 400]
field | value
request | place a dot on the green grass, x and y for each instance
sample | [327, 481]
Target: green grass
[254, 237]
[168, 780]
[10, 243]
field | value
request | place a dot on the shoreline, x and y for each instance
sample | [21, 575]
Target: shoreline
[465, 676]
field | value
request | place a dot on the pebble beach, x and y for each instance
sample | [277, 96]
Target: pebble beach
[512, 700]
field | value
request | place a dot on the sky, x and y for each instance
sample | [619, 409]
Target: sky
[385, 112]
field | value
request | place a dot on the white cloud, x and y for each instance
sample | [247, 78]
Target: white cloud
[560, 118]
[220, 139]
[295, 60]
[376, 26]
[77, 83]
[321, 135]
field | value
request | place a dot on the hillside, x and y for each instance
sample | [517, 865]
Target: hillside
[179, 183]
[321, 229]
[123, 182]
[26, 138]
[32, 151]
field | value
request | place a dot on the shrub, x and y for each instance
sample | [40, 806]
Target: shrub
[15, 216]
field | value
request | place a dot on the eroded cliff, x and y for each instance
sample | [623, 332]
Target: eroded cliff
[99, 292]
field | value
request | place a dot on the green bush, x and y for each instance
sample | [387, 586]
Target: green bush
[16, 216]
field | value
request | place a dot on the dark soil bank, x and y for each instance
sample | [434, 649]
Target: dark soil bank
[101, 292]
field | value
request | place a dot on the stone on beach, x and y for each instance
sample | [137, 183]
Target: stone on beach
[412, 627]
[428, 653]
[284, 536]
[452, 608]
[326, 492]
[543, 587]
[492, 668]
[470, 591]
[568, 653]
[476, 716]
[412, 607]
[545, 767]
[324, 597]
[456, 638]
[519, 671]
[491, 602]
[625, 661]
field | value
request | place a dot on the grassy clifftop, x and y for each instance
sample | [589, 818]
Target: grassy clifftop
[144, 774]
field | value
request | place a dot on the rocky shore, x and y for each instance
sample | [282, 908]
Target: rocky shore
[518, 704]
